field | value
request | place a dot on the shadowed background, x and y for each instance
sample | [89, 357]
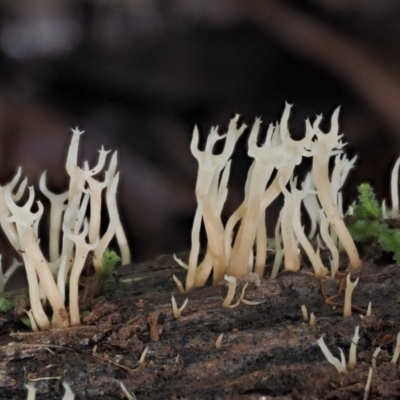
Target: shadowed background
[137, 75]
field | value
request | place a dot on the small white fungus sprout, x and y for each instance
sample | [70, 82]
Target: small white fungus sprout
[177, 311]
[231, 290]
[368, 384]
[369, 310]
[143, 355]
[396, 350]
[348, 294]
[218, 343]
[128, 395]
[394, 189]
[353, 348]
[178, 282]
[68, 395]
[339, 365]
[375, 357]
[304, 312]
[312, 320]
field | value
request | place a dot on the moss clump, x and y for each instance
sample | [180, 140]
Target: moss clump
[370, 225]
[367, 206]
[7, 304]
[110, 258]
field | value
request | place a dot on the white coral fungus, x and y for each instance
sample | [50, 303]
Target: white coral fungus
[72, 224]
[240, 246]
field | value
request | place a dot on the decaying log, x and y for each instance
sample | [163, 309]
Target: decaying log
[267, 349]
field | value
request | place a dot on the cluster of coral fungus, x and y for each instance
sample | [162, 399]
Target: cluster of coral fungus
[239, 247]
[74, 233]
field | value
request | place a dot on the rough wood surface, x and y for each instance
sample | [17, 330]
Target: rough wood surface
[267, 349]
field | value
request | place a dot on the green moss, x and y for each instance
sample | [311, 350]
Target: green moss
[370, 224]
[26, 321]
[110, 258]
[7, 304]
[367, 206]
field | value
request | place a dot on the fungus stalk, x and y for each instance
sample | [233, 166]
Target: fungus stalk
[72, 221]
[8, 227]
[215, 241]
[297, 197]
[291, 255]
[113, 214]
[57, 207]
[34, 296]
[396, 350]
[375, 357]
[261, 245]
[218, 342]
[177, 281]
[32, 321]
[394, 191]
[178, 311]
[95, 188]
[231, 291]
[78, 175]
[369, 310]
[291, 224]
[304, 312]
[24, 220]
[245, 301]
[278, 249]
[123, 244]
[120, 233]
[323, 227]
[195, 249]
[265, 159]
[312, 320]
[311, 205]
[353, 349]
[339, 174]
[210, 167]
[339, 365]
[348, 294]
[45, 276]
[31, 391]
[368, 384]
[324, 145]
[81, 252]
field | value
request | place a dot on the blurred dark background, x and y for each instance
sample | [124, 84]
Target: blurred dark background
[137, 75]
